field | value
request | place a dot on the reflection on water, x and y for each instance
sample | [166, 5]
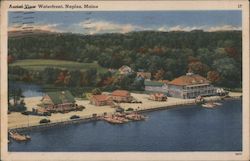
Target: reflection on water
[190, 128]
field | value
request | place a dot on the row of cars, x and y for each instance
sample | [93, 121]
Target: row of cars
[45, 120]
[48, 113]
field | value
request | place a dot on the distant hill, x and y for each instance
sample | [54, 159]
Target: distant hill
[27, 33]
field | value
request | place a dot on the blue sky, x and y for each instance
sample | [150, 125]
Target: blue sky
[123, 22]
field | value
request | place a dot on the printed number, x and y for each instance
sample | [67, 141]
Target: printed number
[239, 5]
[238, 153]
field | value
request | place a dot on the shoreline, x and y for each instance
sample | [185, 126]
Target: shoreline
[90, 118]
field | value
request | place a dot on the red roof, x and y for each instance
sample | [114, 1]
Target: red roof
[121, 93]
[101, 97]
[189, 80]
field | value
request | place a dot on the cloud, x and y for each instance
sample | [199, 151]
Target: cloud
[43, 27]
[97, 27]
[223, 28]
[93, 27]
[205, 28]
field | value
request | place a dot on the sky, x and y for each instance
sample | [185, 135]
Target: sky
[98, 22]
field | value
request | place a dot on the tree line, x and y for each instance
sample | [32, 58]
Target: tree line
[167, 55]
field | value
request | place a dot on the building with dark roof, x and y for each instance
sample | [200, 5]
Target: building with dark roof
[190, 86]
[58, 101]
[156, 86]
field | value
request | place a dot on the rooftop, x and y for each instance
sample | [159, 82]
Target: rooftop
[189, 79]
[101, 97]
[61, 97]
[122, 93]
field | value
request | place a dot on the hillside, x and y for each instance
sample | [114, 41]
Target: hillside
[167, 55]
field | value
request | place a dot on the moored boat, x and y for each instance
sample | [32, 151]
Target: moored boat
[18, 137]
[135, 117]
[208, 105]
[217, 103]
[113, 121]
[211, 104]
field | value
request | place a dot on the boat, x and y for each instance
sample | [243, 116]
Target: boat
[113, 120]
[211, 104]
[208, 105]
[135, 117]
[217, 103]
[18, 137]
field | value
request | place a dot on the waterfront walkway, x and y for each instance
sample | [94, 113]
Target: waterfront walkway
[19, 121]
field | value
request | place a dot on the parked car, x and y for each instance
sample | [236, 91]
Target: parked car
[80, 108]
[46, 114]
[74, 117]
[44, 121]
[119, 109]
[26, 113]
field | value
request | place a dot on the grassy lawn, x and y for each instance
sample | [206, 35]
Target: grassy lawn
[40, 64]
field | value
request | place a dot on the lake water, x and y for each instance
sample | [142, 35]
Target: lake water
[28, 90]
[186, 128]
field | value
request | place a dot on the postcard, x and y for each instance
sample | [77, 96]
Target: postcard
[124, 80]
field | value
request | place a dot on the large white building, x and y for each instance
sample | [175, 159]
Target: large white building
[190, 86]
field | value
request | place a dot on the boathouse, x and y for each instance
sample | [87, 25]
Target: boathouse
[156, 86]
[101, 100]
[58, 101]
[190, 86]
[121, 96]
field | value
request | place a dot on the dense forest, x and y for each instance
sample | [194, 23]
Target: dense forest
[167, 55]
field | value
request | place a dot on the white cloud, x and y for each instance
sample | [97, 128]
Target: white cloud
[205, 28]
[93, 27]
[43, 27]
[223, 28]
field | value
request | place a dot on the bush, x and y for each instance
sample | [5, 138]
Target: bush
[130, 109]
[17, 108]
[96, 91]
[80, 108]
[43, 121]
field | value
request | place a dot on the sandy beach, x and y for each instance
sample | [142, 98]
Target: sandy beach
[17, 120]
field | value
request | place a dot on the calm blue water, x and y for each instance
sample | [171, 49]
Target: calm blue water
[28, 90]
[189, 128]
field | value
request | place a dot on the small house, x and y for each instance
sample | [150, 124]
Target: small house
[124, 70]
[101, 100]
[121, 96]
[158, 97]
[58, 101]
